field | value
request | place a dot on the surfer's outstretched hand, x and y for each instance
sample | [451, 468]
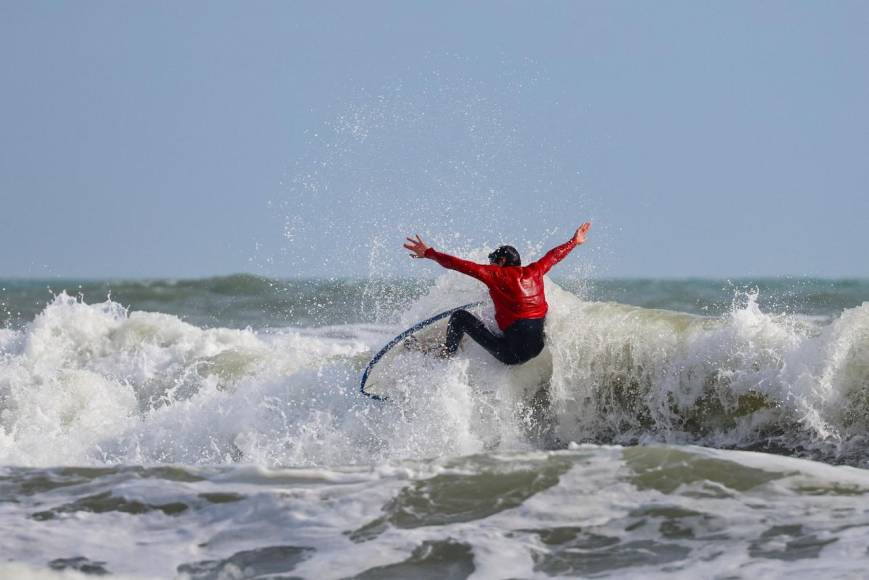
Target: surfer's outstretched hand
[416, 246]
[579, 236]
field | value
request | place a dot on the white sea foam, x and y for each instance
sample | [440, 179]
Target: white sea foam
[96, 384]
[658, 511]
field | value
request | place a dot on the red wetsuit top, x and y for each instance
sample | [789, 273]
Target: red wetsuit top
[517, 291]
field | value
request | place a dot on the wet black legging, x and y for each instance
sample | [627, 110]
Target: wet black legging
[522, 341]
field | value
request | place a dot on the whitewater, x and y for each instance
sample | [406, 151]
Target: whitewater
[214, 429]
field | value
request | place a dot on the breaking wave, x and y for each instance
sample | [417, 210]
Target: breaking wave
[93, 384]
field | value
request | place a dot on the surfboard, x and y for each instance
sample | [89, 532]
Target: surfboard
[424, 336]
[415, 350]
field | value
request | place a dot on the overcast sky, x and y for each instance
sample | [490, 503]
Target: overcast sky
[288, 139]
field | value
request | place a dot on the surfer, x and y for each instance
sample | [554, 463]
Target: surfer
[517, 292]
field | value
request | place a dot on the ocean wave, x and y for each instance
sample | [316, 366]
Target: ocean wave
[748, 377]
[651, 511]
[100, 384]
[235, 301]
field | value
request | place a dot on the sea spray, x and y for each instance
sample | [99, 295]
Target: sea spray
[99, 383]
[80, 379]
[625, 374]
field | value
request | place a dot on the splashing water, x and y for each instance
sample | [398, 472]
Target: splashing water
[255, 448]
[97, 384]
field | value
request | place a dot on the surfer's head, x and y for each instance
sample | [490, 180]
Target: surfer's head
[505, 256]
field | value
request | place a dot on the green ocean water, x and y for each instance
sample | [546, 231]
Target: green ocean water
[244, 300]
[589, 512]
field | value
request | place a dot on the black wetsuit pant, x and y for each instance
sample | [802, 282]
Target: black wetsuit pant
[522, 341]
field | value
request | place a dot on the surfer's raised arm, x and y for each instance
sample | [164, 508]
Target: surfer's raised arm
[420, 249]
[558, 253]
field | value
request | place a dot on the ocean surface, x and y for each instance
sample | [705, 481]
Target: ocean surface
[213, 428]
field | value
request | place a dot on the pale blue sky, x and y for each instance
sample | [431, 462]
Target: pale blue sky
[306, 138]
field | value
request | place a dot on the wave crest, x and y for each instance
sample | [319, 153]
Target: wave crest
[95, 383]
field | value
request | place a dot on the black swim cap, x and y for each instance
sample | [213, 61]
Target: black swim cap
[509, 253]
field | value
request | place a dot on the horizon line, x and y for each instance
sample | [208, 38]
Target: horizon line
[671, 278]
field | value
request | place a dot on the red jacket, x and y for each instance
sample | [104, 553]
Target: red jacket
[517, 291]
